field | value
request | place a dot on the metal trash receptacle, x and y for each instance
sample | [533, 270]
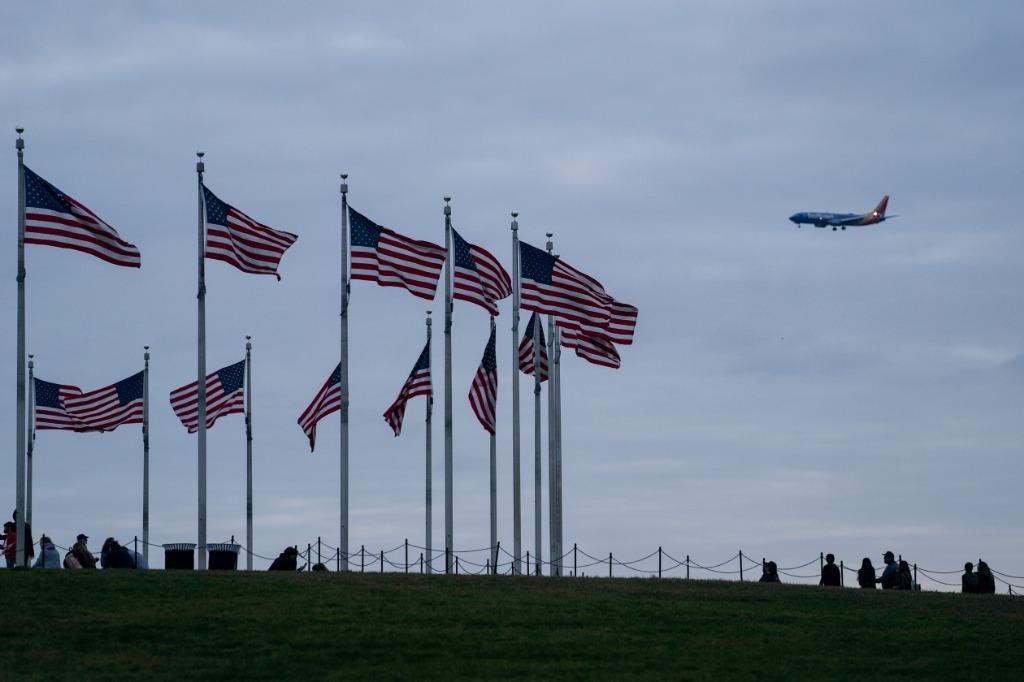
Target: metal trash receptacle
[180, 556]
[223, 556]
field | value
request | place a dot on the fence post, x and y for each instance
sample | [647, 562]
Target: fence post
[575, 571]
[337, 566]
[842, 574]
[309, 556]
[382, 561]
[497, 551]
[447, 561]
[659, 561]
[456, 564]
[821, 562]
[687, 566]
[487, 566]
[915, 575]
[362, 558]
[135, 560]
[421, 563]
[527, 562]
[319, 559]
[741, 565]
[407, 555]
[609, 564]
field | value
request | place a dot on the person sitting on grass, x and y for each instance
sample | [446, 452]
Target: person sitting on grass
[830, 572]
[113, 555]
[287, 561]
[890, 576]
[866, 575]
[986, 581]
[969, 580]
[49, 557]
[80, 551]
[770, 573]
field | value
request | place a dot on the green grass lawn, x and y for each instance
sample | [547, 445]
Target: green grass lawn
[157, 624]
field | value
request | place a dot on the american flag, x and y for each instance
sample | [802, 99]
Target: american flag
[52, 218]
[418, 383]
[621, 316]
[477, 276]
[526, 354]
[225, 394]
[51, 412]
[594, 349]
[107, 408]
[554, 290]
[327, 401]
[235, 238]
[383, 256]
[483, 394]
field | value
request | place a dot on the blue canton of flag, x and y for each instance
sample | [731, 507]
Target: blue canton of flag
[50, 409]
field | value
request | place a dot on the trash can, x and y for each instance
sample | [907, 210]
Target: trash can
[223, 556]
[180, 556]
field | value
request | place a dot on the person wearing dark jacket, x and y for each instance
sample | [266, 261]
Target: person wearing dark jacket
[830, 572]
[891, 575]
[770, 573]
[113, 555]
[904, 579]
[969, 580]
[81, 552]
[287, 561]
[866, 575]
[30, 550]
[986, 581]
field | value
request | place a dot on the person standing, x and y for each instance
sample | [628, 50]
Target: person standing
[830, 572]
[866, 575]
[969, 580]
[81, 552]
[986, 581]
[891, 575]
[9, 545]
[30, 550]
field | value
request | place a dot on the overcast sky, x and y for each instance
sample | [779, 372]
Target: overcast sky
[790, 390]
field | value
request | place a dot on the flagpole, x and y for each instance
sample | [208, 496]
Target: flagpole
[517, 514]
[343, 455]
[429, 531]
[449, 505]
[145, 455]
[494, 485]
[538, 450]
[19, 427]
[30, 448]
[556, 425]
[201, 367]
[248, 453]
[552, 493]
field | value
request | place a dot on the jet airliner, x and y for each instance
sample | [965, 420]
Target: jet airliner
[842, 220]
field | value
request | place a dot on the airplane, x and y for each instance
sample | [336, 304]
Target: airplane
[842, 220]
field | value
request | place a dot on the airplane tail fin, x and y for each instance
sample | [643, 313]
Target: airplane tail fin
[879, 211]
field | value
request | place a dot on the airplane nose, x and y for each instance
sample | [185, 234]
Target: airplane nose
[792, 218]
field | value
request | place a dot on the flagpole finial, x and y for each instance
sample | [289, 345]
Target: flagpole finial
[19, 144]
[248, 342]
[200, 166]
[447, 208]
[30, 363]
[550, 245]
[344, 183]
[429, 319]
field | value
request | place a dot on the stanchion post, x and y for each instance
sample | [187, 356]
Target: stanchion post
[741, 565]
[382, 561]
[687, 566]
[319, 558]
[915, 576]
[575, 572]
[309, 556]
[456, 564]
[497, 552]
[527, 562]
[842, 574]
[659, 561]
[407, 555]
[337, 566]
[362, 558]
[821, 562]
[609, 564]
[447, 559]
[421, 563]
[135, 559]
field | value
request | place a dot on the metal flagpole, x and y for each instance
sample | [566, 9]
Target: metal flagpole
[145, 454]
[449, 506]
[429, 465]
[552, 493]
[494, 487]
[343, 458]
[556, 426]
[201, 368]
[31, 435]
[248, 453]
[19, 427]
[517, 514]
[538, 450]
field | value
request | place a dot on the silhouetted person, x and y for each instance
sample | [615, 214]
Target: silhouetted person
[969, 580]
[319, 567]
[866, 575]
[830, 572]
[891, 574]
[287, 561]
[49, 557]
[113, 555]
[80, 551]
[770, 573]
[986, 581]
[30, 550]
[904, 579]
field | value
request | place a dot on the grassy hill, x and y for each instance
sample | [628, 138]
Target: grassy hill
[164, 625]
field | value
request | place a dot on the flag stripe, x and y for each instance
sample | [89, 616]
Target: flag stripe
[185, 400]
[326, 401]
[483, 393]
[235, 238]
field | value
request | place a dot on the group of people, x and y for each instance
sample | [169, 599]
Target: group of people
[896, 575]
[112, 555]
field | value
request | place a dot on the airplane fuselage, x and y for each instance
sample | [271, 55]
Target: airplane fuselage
[841, 220]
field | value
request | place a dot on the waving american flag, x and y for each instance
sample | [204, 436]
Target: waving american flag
[390, 259]
[483, 393]
[235, 238]
[477, 276]
[418, 383]
[51, 410]
[325, 402]
[225, 394]
[527, 356]
[109, 407]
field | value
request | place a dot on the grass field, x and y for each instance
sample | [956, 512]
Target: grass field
[167, 625]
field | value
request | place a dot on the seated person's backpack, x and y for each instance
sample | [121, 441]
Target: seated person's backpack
[70, 561]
